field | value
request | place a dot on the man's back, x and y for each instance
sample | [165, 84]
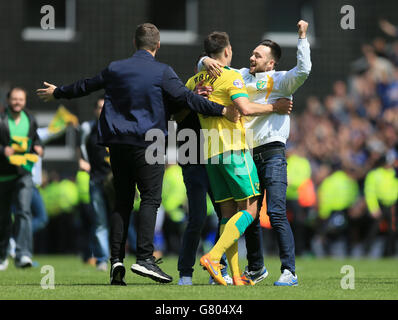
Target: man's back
[133, 92]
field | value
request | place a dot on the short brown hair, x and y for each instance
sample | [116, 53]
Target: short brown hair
[216, 42]
[147, 37]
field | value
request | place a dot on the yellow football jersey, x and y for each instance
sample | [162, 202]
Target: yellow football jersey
[221, 134]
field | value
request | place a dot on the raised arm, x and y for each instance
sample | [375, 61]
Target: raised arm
[295, 77]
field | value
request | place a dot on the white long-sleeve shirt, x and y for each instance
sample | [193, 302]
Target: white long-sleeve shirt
[266, 88]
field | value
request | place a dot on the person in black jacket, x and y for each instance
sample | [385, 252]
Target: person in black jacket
[19, 149]
[140, 95]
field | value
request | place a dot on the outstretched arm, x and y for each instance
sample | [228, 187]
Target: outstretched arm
[295, 77]
[77, 89]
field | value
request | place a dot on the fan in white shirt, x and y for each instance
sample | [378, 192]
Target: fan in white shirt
[265, 85]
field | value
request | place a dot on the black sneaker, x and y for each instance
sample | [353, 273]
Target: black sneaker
[117, 274]
[256, 276]
[149, 268]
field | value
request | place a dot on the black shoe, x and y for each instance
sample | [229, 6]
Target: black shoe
[117, 274]
[149, 268]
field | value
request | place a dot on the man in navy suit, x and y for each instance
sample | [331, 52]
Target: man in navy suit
[140, 94]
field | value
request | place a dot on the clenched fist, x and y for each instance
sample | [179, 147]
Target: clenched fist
[302, 28]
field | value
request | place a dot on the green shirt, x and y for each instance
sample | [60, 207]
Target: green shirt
[174, 194]
[381, 187]
[83, 186]
[337, 192]
[19, 140]
[298, 171]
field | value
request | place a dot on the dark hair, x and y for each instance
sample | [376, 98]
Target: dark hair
[216, 42]
[276, 50]
[147, 37]
[18, 89]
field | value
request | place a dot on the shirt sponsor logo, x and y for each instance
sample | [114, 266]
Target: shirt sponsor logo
[238, 83]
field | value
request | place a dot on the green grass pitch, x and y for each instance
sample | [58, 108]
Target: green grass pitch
[318, 279]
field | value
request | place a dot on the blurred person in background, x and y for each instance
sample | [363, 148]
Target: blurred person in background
[300, 199]
[86, 217]
[337, 194]
[20, 148]
[174, 203]
[381, 194]
[388, 28]
[132, 233]
[61, 195]
[388, 91]
[95, 160]
[394, 53]
[57, 127]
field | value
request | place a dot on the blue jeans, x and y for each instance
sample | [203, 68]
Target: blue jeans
[17, 192]
[99, 231]
[39, 213]
[273, 178]
[197, 185]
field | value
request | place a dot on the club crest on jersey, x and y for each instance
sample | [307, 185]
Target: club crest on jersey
[261, 84]
[257, 186]
[238, 83]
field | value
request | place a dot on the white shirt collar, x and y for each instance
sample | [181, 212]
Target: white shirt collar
[260, 75]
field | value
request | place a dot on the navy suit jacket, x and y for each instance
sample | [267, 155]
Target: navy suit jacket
[140, 94]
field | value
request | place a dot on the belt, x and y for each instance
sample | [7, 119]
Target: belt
[264, 154]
